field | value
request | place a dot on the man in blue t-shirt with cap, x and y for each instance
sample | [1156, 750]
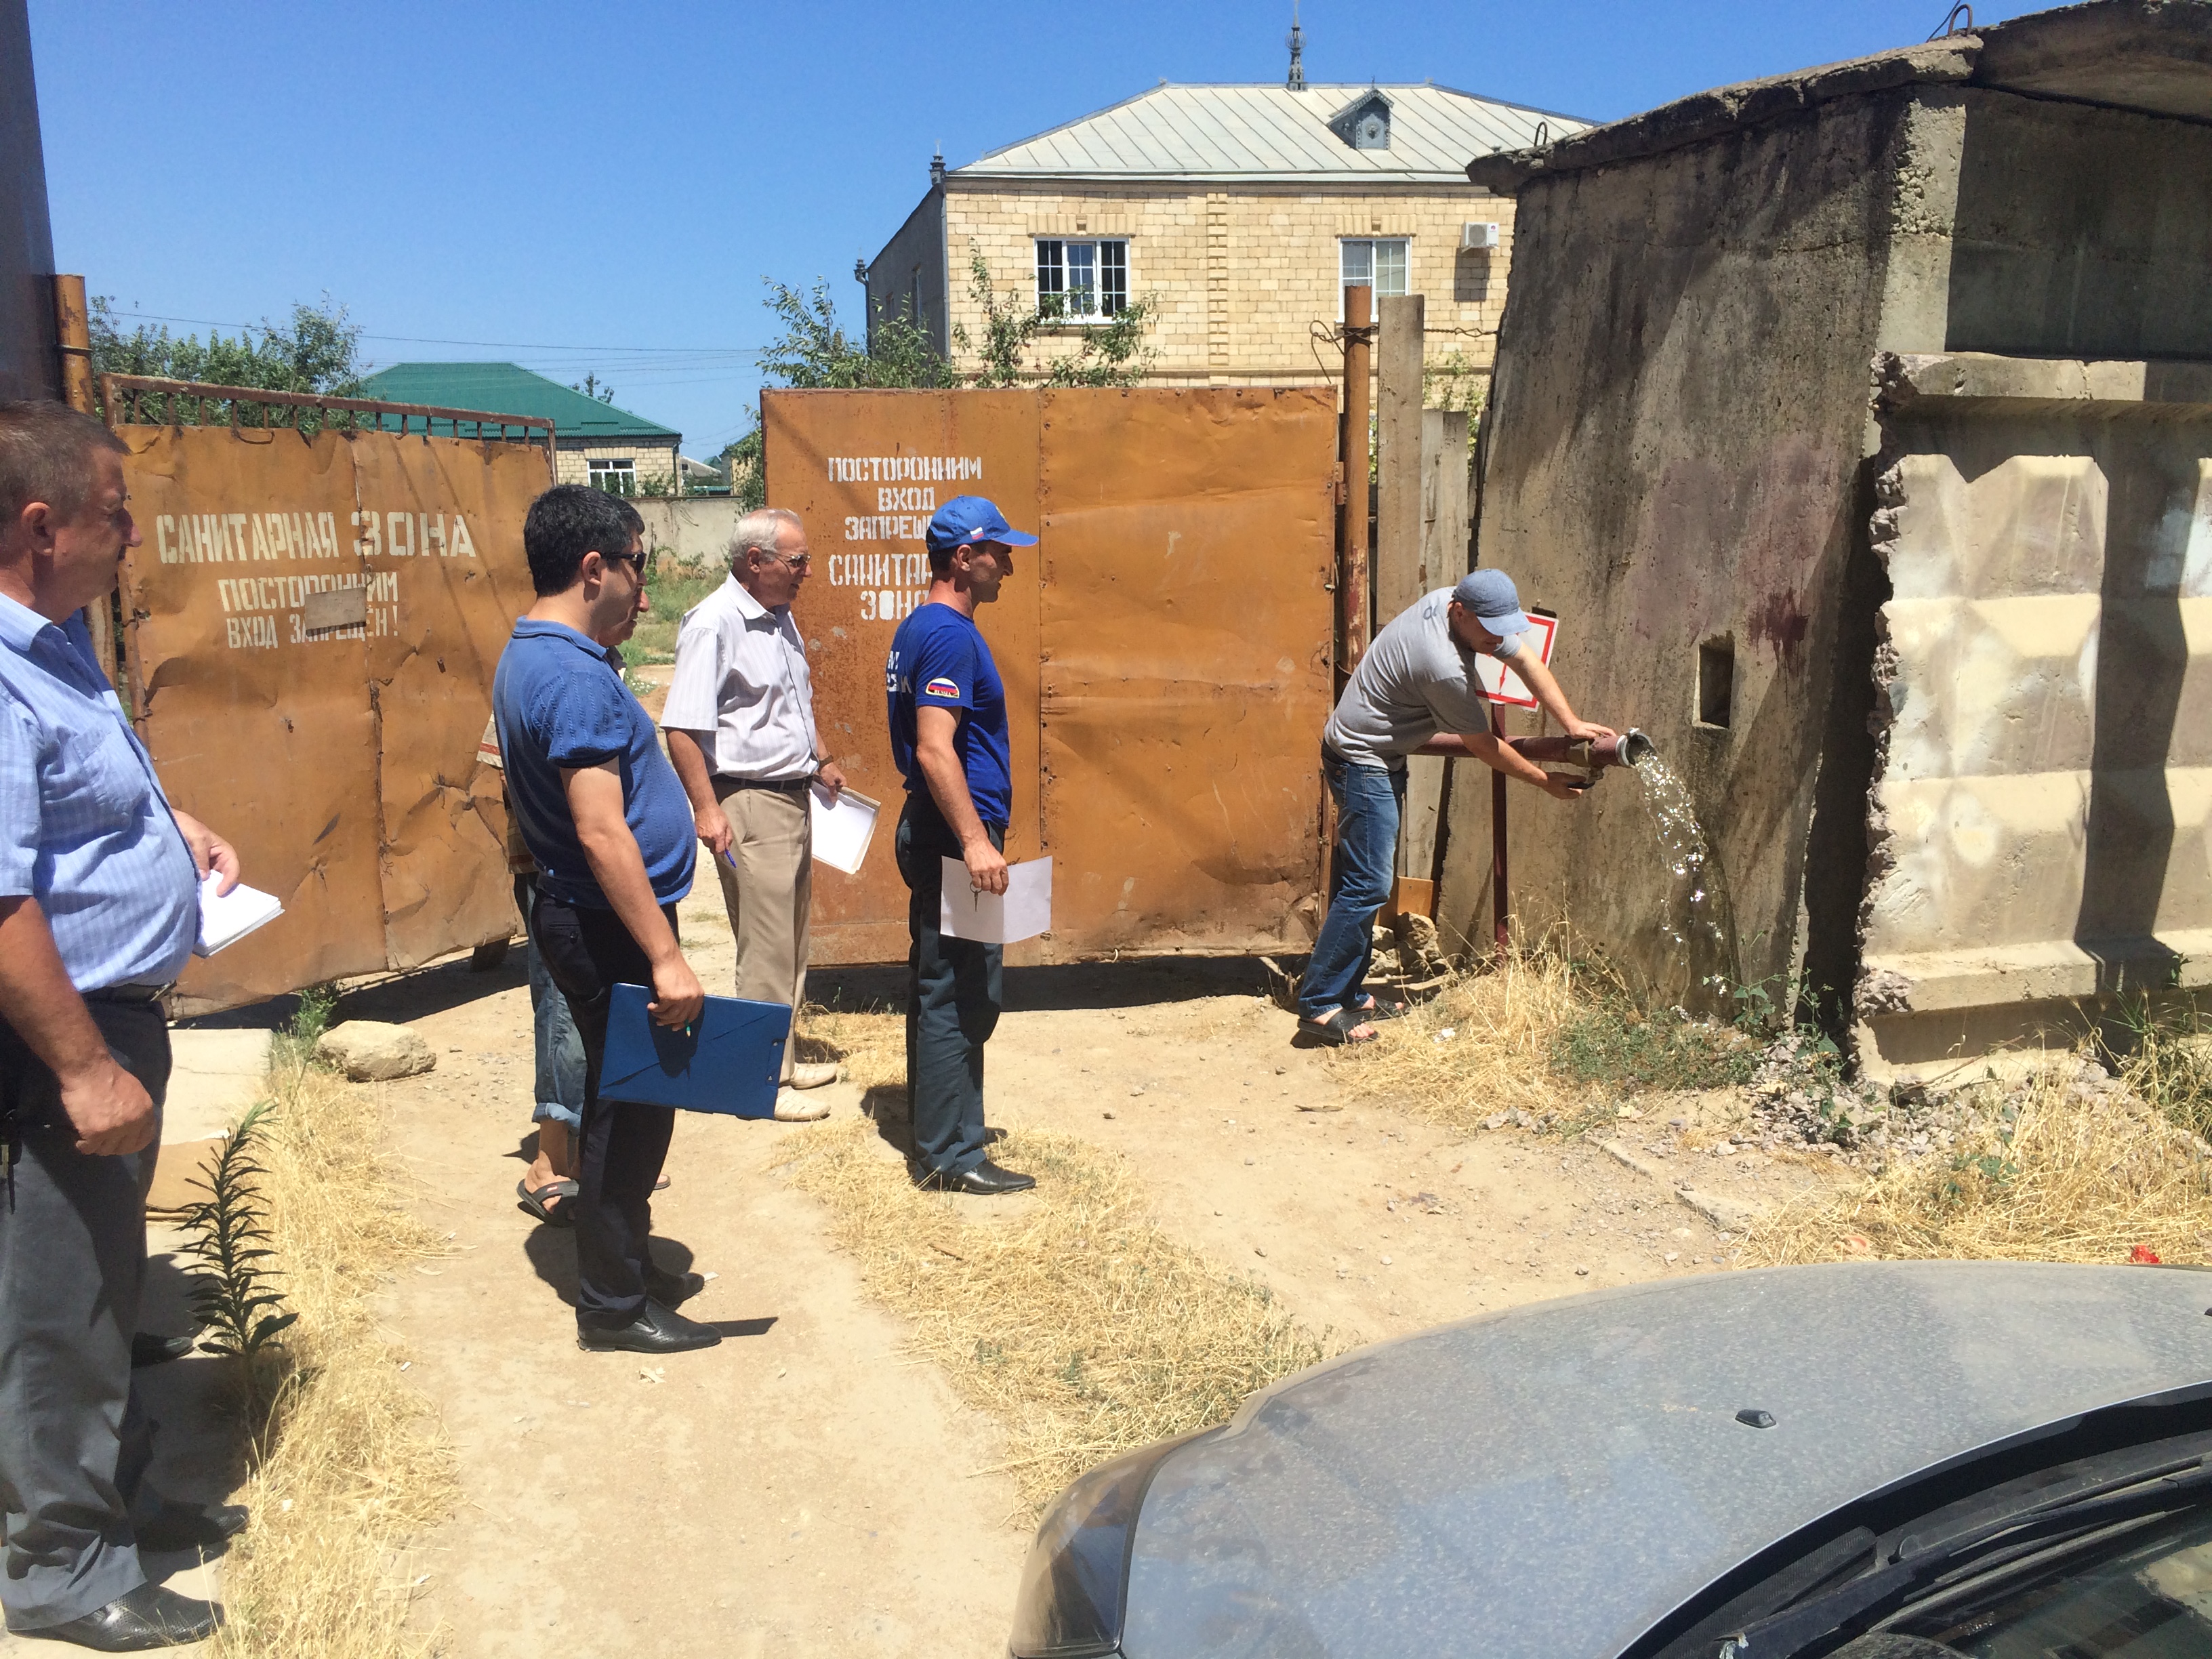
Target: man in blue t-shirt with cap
[1418, 679]
[948, 719]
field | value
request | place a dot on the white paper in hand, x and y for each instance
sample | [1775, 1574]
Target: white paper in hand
[1023, 911]
[226, 918]
[843, 828]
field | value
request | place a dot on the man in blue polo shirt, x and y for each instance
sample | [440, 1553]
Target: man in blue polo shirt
[948, 719]
[99, 910]
[605, 819]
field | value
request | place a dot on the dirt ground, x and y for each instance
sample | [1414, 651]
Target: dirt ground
[806, 1488]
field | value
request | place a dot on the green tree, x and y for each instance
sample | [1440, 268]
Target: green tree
[593, 388]
[814, 353]
[318, 354]
[744, 461]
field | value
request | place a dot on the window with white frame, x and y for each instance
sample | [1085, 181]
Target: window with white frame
[615, 477]
[1082, 281]
[1378, 261]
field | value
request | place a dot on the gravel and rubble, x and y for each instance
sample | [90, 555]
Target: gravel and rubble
[1798, 1100]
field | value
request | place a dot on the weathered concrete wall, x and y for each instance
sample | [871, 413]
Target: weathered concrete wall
[27, 368]
[2081, 232]
[1675, 459]
[695, 529]
[2042, 805]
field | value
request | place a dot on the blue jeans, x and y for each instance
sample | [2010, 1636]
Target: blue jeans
[1367, 807]
[560, 1051]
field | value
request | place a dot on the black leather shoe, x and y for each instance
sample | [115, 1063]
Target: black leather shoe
[656, 1330]
[672, 1290]
[151, 1616]
[192, 1526]
[986, 1180]
[148, 1349]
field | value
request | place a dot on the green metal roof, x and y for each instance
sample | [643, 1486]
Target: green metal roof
[507, 388]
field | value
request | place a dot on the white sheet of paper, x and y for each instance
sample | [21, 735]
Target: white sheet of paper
[843, 830]
[226, 918]
[1023, 911]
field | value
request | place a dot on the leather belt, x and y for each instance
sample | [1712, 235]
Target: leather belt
[782, 786]
[130, 993]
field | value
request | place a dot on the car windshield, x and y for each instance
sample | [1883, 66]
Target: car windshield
[2148, 1595]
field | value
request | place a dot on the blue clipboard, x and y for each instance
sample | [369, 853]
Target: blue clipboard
[728, 1060]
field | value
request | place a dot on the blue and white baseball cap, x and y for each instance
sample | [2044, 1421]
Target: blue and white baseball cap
[969, 519]
[1491, 596]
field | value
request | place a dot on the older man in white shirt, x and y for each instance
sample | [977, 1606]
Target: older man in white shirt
[740, 726]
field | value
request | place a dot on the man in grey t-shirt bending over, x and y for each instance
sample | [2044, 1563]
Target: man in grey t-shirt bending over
[1418, 679]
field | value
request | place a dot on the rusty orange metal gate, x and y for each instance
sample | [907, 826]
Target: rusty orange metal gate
[1166, 650]
[310, 628]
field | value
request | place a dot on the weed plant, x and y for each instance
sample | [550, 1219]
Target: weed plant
[241, 1311]
[292, 1049]
[2166, 1058]
[1615, 1043]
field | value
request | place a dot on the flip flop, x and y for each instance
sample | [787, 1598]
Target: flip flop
[1375, 1008]
[533, 1202]
[1335, 1029]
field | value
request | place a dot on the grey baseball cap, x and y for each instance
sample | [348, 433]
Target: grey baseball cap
[1490, 595]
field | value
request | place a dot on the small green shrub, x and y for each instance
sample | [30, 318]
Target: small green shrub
[1615, 1043]
[293, 1047]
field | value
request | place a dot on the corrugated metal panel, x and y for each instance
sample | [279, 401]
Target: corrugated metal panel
[313, 625]
[510, 389]
[1165, 650]
[1269, 131]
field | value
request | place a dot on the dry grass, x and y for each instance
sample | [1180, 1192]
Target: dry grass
[871, 1044]
[1074, 1320]
[2042, 1174]
[1504, 1022]
[349, 1465]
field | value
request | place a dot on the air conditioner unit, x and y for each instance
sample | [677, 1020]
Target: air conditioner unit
[1482, 234]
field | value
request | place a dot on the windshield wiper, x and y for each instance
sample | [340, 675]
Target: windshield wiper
[2025, 1520]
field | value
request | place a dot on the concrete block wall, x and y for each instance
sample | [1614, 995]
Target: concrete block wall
[1242, 272]
[2042, 809]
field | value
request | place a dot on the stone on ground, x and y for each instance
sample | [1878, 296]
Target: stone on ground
[371, 1051]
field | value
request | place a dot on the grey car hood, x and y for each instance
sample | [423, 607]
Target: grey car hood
[1554, 1480]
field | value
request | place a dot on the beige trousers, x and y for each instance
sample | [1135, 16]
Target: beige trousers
[768, 894]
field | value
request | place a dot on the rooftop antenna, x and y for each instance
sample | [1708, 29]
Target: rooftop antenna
[1297, 82]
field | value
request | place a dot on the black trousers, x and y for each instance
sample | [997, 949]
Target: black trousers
[954, 990]
[73, 1441]
[623, 1145]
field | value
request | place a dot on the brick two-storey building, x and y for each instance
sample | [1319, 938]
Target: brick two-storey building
[1241, 209]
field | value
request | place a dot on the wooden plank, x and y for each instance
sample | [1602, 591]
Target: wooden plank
[1444, 504]
[1398, 414]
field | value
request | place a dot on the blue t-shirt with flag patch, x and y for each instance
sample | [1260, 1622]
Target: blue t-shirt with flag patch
[938, 661]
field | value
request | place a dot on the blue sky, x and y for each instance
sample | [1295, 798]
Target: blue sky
[604, 187]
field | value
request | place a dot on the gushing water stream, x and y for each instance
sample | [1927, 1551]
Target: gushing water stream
[1697, 936]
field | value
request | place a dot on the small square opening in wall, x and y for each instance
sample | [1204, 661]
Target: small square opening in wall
[1716, 683]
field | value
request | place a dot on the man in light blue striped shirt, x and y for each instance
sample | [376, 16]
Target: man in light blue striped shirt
[99, 910]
